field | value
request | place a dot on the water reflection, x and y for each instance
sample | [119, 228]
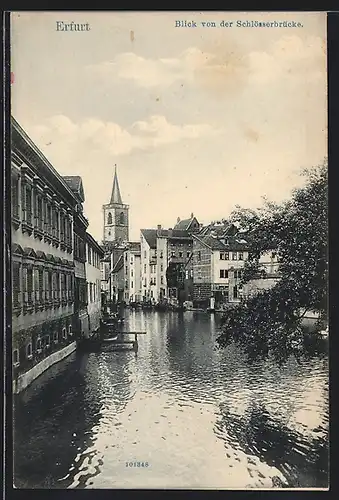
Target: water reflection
[201, 416]
[54, 424]
[302, 461]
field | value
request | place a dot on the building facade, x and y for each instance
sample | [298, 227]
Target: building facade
[148, 251]
[93, 277]
[132, 273]
[267, 277]
[117, 281]
[166, 262]
[43, 278]
[80, 224]
[176, 246]
[105, 274]
[219, 255]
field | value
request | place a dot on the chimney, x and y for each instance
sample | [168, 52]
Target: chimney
[192, 215]
[178, 220]
[159, 227]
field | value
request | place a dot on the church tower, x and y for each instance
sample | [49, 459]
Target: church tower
[116, 223]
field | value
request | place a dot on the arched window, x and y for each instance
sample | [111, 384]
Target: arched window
[122, 218]
[109, 218]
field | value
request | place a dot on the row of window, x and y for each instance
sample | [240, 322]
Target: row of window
[173, 254]
[40, 215]
[79, 248]
[94, 291]
[38, 286]
[42, 344]
[93, 257]
[180, 254]
[121, 219]
[81, 294]
[131, 260]
[226, 273]
[152, 282]
[235, 256]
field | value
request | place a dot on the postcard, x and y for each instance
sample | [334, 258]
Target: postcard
[169, 250]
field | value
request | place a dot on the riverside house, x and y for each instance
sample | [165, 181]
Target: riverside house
[219, 255]
[42, 213]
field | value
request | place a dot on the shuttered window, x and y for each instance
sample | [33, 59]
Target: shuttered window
[30, 284]
[15, 197]
[41, 283]
[50, 289]
[39, 213]
[36, 284]
[28, 205]
[16, 288]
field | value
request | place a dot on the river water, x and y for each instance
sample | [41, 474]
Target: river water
[180, 413]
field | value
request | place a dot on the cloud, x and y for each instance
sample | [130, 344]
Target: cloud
[223, 67]
[110, 138]
[290, 58]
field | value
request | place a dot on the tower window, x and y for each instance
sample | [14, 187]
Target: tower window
[109, 218]
[122, 218]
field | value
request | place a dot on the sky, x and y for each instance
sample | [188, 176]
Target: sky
[197, 119]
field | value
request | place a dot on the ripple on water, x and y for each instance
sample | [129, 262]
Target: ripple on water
[202, 417]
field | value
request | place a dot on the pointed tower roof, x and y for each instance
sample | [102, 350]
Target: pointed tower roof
[116, 196]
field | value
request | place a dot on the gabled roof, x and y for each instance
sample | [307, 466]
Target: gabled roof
[134, 246]
[173, 233]
[229, 244]
[75, 184]
[116, 195]
[41, 255]
[219, 229]
[183, 224]
[186, 223]
[94, 244]
[17, 249]
[150, 236]
[29, 252]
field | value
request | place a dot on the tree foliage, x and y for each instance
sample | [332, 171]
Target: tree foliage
[297, 231]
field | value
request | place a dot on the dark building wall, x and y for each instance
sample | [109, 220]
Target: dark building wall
[202, 262]
[43, 212]
[202, 294]
[188, 289]
[38, 342]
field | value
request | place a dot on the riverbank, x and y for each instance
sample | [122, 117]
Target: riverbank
[25, 379]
